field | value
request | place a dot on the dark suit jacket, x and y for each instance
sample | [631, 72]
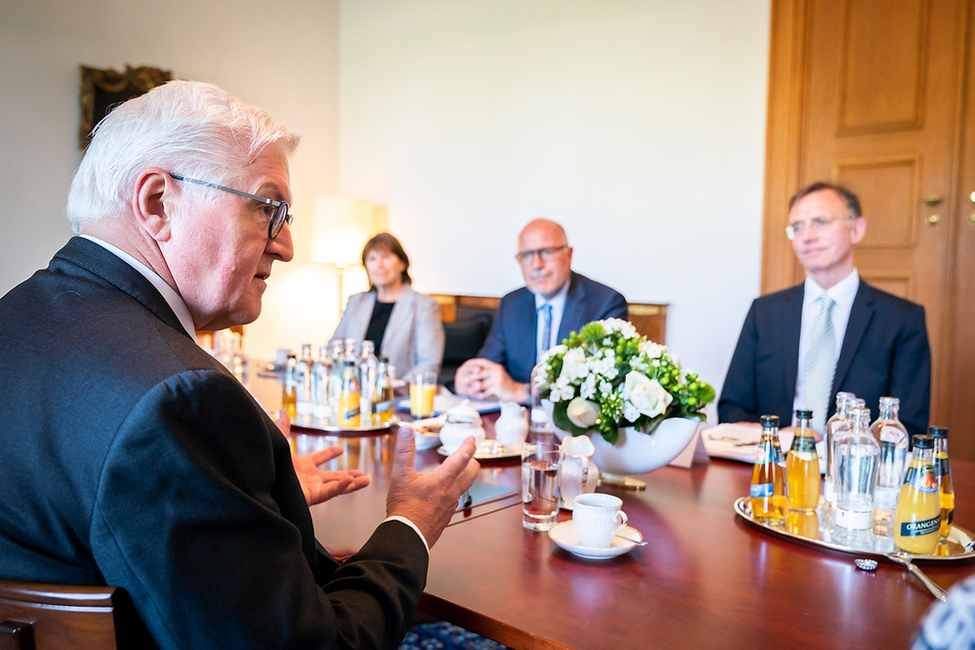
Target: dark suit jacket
[132, 458]
[885, 353]
[514, 339]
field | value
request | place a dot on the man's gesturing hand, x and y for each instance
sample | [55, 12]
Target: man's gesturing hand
[429, 500]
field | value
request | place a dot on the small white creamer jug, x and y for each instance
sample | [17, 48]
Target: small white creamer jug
[511, 429]
[462, 421]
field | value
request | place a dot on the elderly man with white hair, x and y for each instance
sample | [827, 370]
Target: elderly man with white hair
[132, 458]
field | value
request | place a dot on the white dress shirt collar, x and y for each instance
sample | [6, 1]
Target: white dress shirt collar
[169, 294]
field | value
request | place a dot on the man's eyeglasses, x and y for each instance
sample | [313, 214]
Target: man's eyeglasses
[546, 254]
[816, 224]
[279, 217]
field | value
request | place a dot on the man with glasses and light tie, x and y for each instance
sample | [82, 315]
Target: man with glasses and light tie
[132, 458]
[554, 302]
[800, 346]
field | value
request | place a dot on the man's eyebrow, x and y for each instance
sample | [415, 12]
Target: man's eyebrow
[270, 191]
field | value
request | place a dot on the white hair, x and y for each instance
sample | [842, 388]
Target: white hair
[190, 128]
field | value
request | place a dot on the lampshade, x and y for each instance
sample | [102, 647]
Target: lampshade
[340, 228]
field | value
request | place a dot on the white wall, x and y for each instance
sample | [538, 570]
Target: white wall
[283, 57]
[637, 124]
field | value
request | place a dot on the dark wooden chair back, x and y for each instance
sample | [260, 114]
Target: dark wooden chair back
[37, 616]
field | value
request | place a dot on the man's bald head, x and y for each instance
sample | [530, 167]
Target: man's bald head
[545, 257]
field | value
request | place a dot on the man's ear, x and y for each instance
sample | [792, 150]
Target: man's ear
[154, 190]
[859, 230]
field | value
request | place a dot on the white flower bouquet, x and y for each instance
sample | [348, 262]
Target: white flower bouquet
[607, 376]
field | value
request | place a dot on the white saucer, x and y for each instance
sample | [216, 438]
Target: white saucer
[565, 536]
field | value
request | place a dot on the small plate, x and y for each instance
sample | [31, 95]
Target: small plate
[488, 450]
[566, 537]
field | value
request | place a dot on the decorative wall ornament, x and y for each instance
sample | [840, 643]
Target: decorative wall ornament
[103, 90]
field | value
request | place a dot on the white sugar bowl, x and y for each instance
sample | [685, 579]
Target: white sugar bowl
[462, 421]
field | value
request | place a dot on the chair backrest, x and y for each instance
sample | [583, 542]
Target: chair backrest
[51, 617]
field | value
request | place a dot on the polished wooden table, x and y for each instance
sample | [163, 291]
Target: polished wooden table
[705, 580]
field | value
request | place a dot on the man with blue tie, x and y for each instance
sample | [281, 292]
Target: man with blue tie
[554, 302]
[834, 332]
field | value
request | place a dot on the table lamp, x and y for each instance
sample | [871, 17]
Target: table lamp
[340, 228]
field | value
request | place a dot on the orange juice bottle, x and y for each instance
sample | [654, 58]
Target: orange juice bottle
[802, 467]
[769, 490]
[349, 399]
[917, 520]
[289, 394]
[383, 400]
[943, 471]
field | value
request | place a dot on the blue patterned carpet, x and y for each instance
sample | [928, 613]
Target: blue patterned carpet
[444, 636]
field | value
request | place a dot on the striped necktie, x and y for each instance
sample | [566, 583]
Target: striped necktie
[545, 324]
[820, 363]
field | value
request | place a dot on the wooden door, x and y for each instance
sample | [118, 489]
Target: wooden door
[871, 94]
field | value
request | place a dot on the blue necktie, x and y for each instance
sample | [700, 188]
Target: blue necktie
[545, 324]
[821, 363]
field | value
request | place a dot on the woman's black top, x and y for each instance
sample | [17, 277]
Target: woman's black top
[378, 322]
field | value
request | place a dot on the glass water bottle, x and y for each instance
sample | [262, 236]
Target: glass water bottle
[368, 370]
[320, 372]
[892, 437]
[303, 397]
[857, 461]
[837, 422]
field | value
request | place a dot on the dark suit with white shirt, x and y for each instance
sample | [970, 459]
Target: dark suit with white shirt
[513, 340]
[885, 353]
[132, 458]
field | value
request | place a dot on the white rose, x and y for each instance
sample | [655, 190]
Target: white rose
[574, 365]
[582, 413]
[647, 395]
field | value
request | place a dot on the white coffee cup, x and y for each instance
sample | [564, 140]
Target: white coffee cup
[597, 519]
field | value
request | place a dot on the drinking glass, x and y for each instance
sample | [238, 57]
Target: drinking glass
[423, 386]
[540, 484]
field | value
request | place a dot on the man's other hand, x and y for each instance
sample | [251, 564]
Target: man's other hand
[483, 379]
[321, 485]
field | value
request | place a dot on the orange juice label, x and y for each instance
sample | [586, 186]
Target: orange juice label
[920, 528]
[922, 478]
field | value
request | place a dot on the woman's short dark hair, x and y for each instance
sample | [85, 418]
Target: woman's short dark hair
[385, 241]
[851, 200]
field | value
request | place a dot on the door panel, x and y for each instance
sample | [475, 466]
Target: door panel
[873, 94]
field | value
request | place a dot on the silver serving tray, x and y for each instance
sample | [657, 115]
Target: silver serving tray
[327, 426]
[959, 546]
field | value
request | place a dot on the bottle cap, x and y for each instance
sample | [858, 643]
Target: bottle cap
[923, 442]
[770, 421]
[889, 400]
[937, 432]
[803, 414]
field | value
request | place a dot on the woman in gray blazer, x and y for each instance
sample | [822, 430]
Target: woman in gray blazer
[404, 325]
